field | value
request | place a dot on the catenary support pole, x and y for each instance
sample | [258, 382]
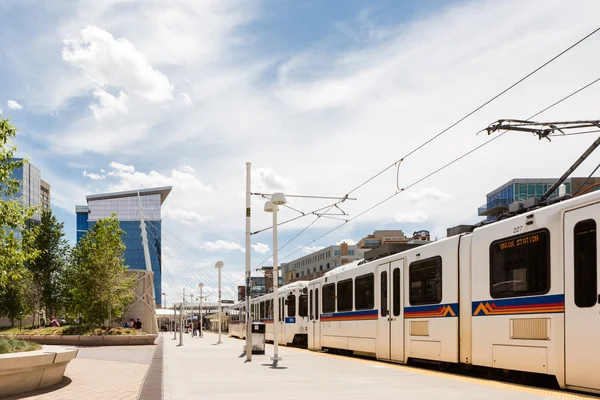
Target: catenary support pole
[219, 266]
[275, 277]
[201, 318]
[248, 273]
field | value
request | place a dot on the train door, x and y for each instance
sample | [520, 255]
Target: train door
[314, 329]
[282, 313]
[582, 288]
[390, 332]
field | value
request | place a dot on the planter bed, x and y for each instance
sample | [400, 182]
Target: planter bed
[100, 340]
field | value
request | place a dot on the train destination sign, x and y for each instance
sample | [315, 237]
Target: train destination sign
[523, 241]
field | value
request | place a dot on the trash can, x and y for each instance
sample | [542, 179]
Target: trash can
[258, 338]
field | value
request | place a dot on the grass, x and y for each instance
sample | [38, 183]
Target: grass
[76, 330]
[10, 345]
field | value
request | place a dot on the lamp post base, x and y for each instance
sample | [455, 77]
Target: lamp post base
[276, 358]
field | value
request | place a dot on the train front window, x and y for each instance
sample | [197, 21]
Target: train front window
[520, 265]
[291, 303]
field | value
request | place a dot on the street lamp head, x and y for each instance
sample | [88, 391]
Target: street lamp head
[201, 285]
[219, 264]
[269, 206]
[278, 199]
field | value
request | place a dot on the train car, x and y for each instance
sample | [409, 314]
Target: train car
[237, 320]
[520, 294]
[293, 313]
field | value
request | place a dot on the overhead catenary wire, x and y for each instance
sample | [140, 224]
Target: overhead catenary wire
[397, 163]
[477, 109]
[439, 169]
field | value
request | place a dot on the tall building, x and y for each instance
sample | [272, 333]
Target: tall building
[126, 205]
[31, 188]
[518, 189]
[316, 264]
[45, 195]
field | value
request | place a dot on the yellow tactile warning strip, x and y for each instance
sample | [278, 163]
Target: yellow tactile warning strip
[556, 394]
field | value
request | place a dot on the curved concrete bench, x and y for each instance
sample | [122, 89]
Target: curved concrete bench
[32, 370]
[108, 340]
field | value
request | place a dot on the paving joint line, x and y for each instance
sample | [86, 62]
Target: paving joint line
[152, 386]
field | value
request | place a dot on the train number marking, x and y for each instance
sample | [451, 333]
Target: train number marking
[518, 229]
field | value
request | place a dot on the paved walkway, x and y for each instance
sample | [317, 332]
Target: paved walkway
[100, 373]
[202, 369]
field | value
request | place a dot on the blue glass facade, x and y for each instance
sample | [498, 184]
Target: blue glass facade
[518, 190]
[126, 206]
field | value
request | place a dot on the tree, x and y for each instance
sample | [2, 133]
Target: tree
[15, 238]
[100, 286]
[48, 268]
[13, 303]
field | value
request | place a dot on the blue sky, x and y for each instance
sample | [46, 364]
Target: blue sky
[318, 95]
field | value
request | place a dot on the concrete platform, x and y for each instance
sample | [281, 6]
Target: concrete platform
[203, 369]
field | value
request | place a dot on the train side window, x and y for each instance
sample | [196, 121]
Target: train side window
[303, 305]
[384, 298]
[364, 293]
[344, 295]
[425, 281]
[520, 265]
[586, 279]
[396, 292]
[312, 305]
[281, 309]
[291, 305]
[329, 298]
[317, 304]
[263, 310]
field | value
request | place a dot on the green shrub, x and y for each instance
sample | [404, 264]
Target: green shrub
[11, 345]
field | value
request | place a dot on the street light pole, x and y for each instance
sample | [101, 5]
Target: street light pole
[201, 320]
[277, 199]
[219, 265]
[192, 312]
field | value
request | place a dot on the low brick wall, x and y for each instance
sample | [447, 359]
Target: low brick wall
[32, 370]
[109, 340]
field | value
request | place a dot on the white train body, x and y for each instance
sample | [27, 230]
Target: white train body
[293, 313]
[520, 294]
[237, 320]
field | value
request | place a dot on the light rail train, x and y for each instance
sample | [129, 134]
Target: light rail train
[520, 295]
[293, 315]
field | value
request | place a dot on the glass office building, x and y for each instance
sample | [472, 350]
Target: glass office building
[522, 189]
[126, 205]
[30, 181]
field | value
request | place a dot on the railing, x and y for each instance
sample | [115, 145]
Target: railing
[492, 204]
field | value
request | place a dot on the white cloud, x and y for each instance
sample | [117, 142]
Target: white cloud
[427, 194]
[350, 242]
[221, 246]
[108, 105]
[180, 215]
[93, 176]
[266, 180]
[260, 248]
[110, 62]
[13, 105]
[411, 217]
[182, 179]
[312, 249]
[186, 100]
[121, 168]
